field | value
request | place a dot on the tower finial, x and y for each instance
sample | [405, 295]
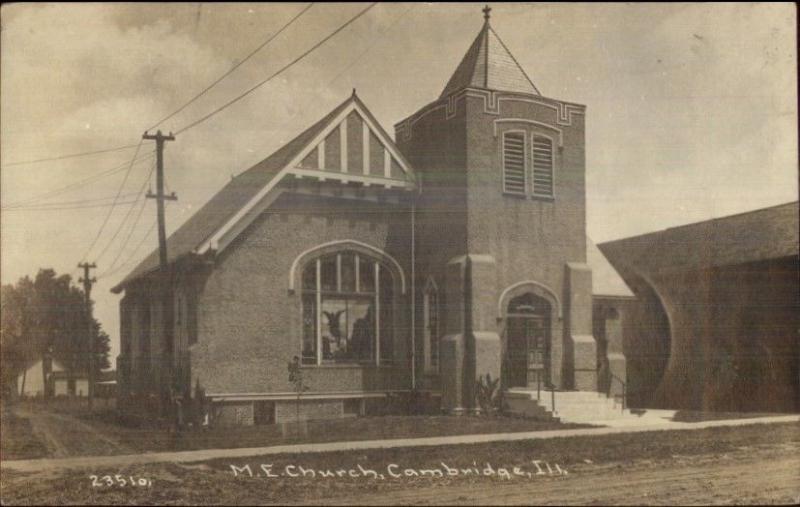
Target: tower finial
[487, 12]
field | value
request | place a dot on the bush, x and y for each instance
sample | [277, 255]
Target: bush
[489, 395]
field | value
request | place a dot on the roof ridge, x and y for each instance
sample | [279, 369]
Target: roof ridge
[500, 40]
[701, 222]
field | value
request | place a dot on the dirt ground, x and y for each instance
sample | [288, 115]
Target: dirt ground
[753, 464]
[769, 476]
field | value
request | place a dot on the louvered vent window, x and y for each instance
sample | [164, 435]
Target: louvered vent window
[542, 166]
[514, 163]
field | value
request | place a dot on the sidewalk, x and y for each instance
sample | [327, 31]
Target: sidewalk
[106, 463]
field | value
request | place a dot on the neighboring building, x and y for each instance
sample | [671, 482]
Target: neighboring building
[716, 322]
[32, 382]
[388, 267]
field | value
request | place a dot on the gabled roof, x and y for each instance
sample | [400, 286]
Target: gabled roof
[606, 282]
[200, 232]
[760, 235]
[489, 64]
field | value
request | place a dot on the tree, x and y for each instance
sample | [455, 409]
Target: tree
[47, 313]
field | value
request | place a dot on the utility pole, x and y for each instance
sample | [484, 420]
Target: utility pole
[165, 278]
[87, 301]
[160, 197]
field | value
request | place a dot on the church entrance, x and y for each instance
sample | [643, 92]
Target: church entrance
[528, 341]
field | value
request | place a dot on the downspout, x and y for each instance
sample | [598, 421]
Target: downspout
[413, 297]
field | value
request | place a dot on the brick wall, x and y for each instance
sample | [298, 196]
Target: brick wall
[249, 324]
[286, 411]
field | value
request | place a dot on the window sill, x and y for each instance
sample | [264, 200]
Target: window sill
[544, 198]
[516, 196]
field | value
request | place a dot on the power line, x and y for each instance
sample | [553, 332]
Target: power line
[72, 155]
[126, 240]
[132, 254]
[90, 179]
[125, 219]
[184, 106]
[63, 208]
[370, 47]
[111, 209]
[98, 200]
[280, 71]
[229, 72]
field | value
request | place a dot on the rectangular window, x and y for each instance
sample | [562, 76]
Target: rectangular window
[387, 324]
[542, 166]
[433, 330]
[366, 275]
[310, 328]
[514, 163]
[263, 412]
[329, 273]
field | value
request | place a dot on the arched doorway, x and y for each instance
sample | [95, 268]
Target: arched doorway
[528, 341]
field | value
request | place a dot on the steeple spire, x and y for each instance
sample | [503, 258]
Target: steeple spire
[489, 65]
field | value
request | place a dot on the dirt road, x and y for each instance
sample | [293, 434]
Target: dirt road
[766, 475]
[66, 436]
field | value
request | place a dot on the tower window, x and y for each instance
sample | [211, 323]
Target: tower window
[542, 166]
[514, 163]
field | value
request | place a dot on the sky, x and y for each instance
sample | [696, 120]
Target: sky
[691, 108]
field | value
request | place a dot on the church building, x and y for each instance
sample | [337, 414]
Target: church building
[391, 268]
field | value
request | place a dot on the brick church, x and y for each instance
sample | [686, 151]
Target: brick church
[390, 266]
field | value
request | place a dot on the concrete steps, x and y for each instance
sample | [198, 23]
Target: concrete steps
[570, 406]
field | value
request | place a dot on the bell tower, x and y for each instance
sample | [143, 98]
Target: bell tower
[502, 214]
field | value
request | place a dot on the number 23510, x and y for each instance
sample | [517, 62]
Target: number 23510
[106, 481]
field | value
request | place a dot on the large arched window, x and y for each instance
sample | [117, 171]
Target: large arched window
[348, 310]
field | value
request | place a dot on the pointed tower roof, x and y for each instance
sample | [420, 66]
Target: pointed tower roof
[489, 64]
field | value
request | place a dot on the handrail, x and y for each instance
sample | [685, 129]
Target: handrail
[552, 390]
[538, 387]
[624, 388]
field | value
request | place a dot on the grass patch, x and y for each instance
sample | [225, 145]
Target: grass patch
[699, 416]
[17, 438]
[104, 422]
[365, 428]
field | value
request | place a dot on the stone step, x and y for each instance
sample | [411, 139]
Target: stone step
[570, 406]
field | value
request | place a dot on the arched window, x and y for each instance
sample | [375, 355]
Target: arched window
[514, 163]
[431, 323]
[348, 310]
[542, 166]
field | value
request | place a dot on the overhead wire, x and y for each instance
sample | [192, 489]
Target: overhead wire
[111, 209]
[90, 179]
[280, 71]
[232, 69]
[130, 210]
[71, 155]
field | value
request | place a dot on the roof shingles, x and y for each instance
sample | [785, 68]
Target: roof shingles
[490, 65]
